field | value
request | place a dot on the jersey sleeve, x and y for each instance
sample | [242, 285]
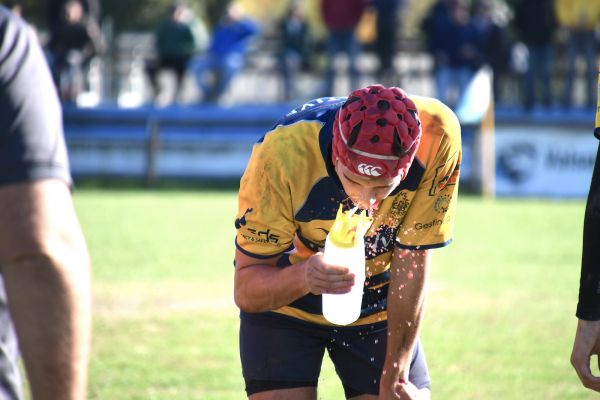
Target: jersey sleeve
[429, 221]
[32, 144]
[265, 224]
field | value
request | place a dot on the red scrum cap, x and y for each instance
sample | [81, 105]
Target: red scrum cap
[376, 132]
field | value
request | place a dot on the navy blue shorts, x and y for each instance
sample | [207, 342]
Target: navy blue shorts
[279, 353]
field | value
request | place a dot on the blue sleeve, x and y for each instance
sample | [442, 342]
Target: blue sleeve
[32, 144]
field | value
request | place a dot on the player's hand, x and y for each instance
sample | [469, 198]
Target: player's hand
[587, 343]
[401, 391]
[322, 278]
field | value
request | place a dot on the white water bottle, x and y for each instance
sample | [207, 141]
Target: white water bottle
[345, 246]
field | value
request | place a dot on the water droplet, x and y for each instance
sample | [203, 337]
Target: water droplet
[376, 341]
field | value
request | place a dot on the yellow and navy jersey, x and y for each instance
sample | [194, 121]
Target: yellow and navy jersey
[289, 195]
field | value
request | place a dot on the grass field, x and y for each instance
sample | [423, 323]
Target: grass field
[499, 320]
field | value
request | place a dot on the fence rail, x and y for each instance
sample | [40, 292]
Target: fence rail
[179, 142]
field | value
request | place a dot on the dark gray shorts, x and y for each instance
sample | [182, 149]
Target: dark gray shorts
[279, 353]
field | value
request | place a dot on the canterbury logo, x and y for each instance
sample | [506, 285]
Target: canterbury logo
[370, 170]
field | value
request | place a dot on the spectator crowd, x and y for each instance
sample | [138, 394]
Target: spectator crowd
[539, 50]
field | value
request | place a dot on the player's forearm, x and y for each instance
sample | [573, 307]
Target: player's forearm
[260, 288]
[45, 265]
[403, 329]
[404, 308]
[49, 301]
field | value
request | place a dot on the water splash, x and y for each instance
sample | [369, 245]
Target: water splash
[352, 211]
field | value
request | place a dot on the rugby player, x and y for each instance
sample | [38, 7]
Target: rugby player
[395, 156]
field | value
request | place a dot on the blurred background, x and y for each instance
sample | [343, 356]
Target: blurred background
[419, 38]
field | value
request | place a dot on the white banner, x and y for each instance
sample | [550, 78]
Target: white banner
[544, 161]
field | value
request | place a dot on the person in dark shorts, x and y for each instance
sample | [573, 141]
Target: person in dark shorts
[44, 262]
[393, 156]
[295, 353]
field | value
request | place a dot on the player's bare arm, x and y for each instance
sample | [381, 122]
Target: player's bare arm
[45, 265]
[259, 285]
[405, 299]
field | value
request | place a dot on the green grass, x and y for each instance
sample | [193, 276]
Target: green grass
[499, 320]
